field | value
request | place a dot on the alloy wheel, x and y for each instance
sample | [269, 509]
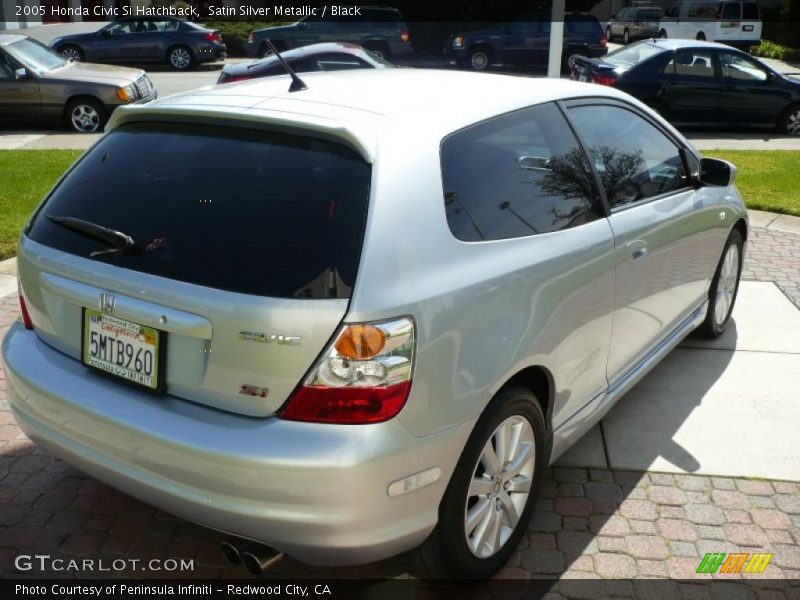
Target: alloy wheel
[500, 486]
[71, 53]
[726, 286]
[479, 61]
[85, 118]
[180, 58]
[626, 38]
[793, 122]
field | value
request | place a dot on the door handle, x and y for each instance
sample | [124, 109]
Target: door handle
[637, 249]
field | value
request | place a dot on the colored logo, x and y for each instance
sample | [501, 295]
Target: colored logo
[743, 562]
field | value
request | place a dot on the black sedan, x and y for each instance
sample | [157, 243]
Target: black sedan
[699, 83]
[180, 44]
[332, 56]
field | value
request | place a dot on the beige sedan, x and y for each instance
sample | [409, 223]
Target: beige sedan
[38, 84]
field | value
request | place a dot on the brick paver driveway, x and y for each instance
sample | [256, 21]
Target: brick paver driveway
[588, 523]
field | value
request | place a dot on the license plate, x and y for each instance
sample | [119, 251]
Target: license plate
[747, 28]
[122, 348]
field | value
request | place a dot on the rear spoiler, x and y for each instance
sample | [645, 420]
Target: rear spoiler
[358, 136]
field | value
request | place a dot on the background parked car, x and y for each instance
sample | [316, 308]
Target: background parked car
[699, 83]
[316, 57]
[37, 83]
[526, 41]
[381, 30]
[634, 22]
[735, 23]
[180, 44]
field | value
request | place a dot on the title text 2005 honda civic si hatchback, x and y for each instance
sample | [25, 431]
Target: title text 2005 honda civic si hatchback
[370, 321]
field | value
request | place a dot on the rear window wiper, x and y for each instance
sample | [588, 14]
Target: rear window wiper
[119, 241]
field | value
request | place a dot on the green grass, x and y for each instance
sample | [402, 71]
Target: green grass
[25, 177]
[767, 179]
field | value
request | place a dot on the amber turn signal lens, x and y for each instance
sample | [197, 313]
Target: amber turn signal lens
[360, 342]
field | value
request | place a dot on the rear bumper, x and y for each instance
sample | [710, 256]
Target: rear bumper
[317, 492]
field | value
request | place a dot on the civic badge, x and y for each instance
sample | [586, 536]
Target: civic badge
[107, 303]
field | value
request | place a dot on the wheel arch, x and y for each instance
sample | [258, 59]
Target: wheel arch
[741, 225]
[79, 96]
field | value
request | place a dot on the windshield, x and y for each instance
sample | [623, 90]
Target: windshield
[629, 56]
[651, 14]
[36, 56]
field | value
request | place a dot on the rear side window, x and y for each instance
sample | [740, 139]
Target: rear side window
[583, 26]
[259, 213]
[750, 11]
[516, 175]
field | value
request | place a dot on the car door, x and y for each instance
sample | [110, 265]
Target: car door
[746, 94]
[20, 98]
[729, 24]
[517, 42]
[665, 242]
[619, 24]
[519, 187]
[691, 88]
[149, 41]
[116, 42]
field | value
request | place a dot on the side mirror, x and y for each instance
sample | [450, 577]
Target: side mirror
[21, 74]
[714, 171]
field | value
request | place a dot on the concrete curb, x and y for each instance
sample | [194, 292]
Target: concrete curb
[774, 221]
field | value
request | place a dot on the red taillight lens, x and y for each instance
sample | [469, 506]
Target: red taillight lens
[603, 40]
[637, 23]
[404, 36]
[23, 310]
[233, 78]
[604, 80]
[364, 376]
[213, 37]
[347, 405]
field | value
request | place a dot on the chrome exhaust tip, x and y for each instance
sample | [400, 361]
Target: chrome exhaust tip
[258, 559]
[231, 552]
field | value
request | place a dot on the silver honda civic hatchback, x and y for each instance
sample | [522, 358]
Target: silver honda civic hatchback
[351, 320]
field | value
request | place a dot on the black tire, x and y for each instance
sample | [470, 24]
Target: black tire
[446, 553]
[789, 121]
[662, 35]
[479, 59]
[701, 37]
[713, 327]
[86, 115]
[568, 58]
[626, 37]
[72, 51]
[379, 48]
[609, 37]
[180, 58]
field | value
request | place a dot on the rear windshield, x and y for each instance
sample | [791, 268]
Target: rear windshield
[583, 25]
[651, 14]
[254, 212]
[751, 11]
[629, 56]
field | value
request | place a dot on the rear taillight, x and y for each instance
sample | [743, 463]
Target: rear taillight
[604, 79]
[233, 78]
[603, 40]
[363, 377]
[214, 37]
[637, 23]
[404, 36]
[23, 309]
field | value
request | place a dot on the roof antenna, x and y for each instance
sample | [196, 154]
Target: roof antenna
[297, 83]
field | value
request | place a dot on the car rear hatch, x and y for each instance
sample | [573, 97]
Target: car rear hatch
[244, 250]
